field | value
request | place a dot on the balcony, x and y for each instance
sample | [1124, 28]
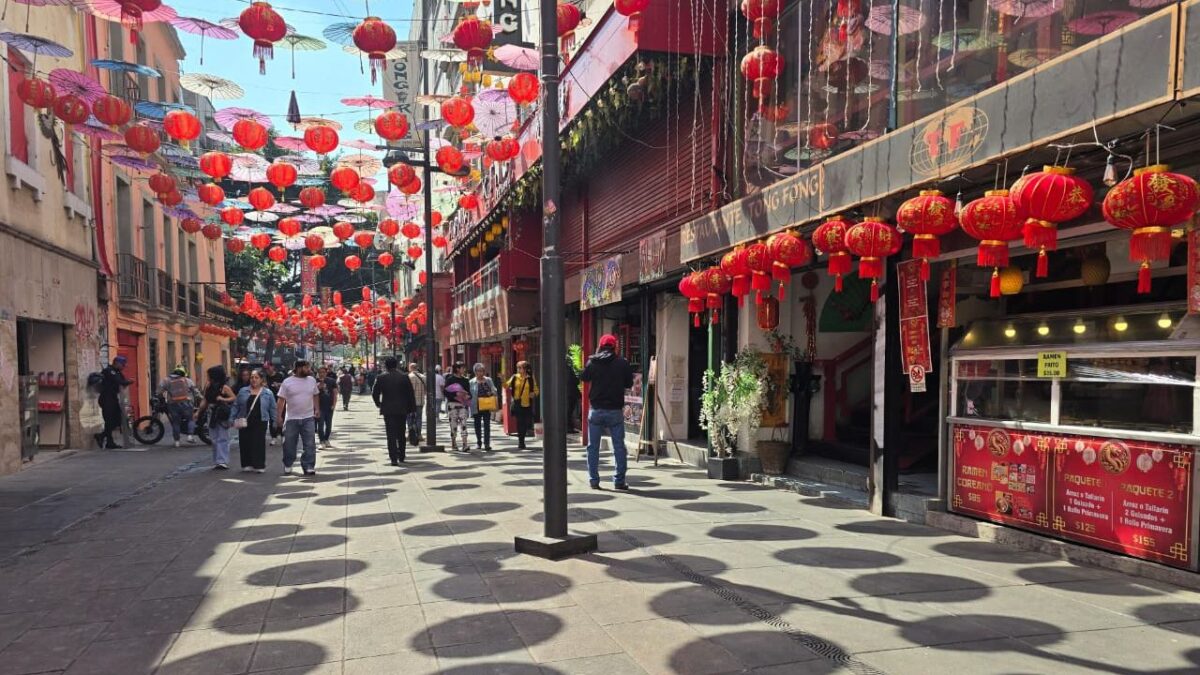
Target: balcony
[491, 303]
[165, 292]
[214, 309]
[133, 281]
[181, 297]
[193, 306]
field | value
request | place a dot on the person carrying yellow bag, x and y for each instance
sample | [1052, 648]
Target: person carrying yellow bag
[485, 400]
[524, 390]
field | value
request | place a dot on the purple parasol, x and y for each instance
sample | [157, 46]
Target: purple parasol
[94, 129]
[179, 212]
[1026, 9]
[38, 46]
[220, 137]
[492, 95]
[327, 210]
[496, 117]
[133, 163]
[1101, 23]
[359, 144]
[880, 19]
[227, 117]
[204, 28]
[399, 207]
[518, 58]
[249, 168]
[309, 218]
[284, 208]
[67, 81]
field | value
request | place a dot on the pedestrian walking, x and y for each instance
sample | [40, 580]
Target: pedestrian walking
[327, 388]
[523, 389]
[274, 379]
[243, 379]
[393, 395]
[439, 389]
[485, 400]
[297, 410]
[178, 391]
[420, 394]
[112, 381]
[218, 405]
[609, 375]
[458, 404]
[253, 412]
[346, 387]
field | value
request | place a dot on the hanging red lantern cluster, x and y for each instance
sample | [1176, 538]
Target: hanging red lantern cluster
[994, 219]
[363, 239]
[132, 12]
[762, 15]
[314, 243]
[374, 37]
[316, 261]
[344, 178]
[71, 109]
[1050, 197]
[263, 25]
[736, 267]
[872, 240]
[762, 66]
[758, 259]
[321, 139]
[469, 201]
[473, 35]
[1149, 204]
[715, 285]
[353, 262]
[690, 288]
[172, 198]
[362, 193]
[182, 126]
[569, 18]
[523, 88]
[927, 216]
[502, 149]
[386, 259]
[39, 94]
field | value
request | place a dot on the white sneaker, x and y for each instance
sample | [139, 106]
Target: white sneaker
[247, 469]
[287, 470]
[177, 444]
[260, 471]
[191, 438]
[272, 441]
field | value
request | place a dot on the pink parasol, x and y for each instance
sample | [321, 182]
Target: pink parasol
[94, 129]
[112, 10]
[1101, 23]
[359, 144]
[306, 122]
[351, 217]
[204, 28]
[304, 165]
[327, 210]
[368, 101]
[283, 207]
[293, 143]
[494, 118]
[249, 168]
[492, 95]
[1026, 9]
[227, 117]
[220, 137]
[67, 81]
[518, 58]
[309, 218]
[365, 165]
[880, 19]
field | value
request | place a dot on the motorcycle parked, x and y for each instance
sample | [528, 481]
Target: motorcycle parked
[149, 429]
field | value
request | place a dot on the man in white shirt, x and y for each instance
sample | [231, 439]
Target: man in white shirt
[299, 408]
[439, 390]
[414, 417]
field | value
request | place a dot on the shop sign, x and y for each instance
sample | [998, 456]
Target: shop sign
[949, 141]
[506, 16]
[1052, 364]
[652, 257]
[915, 352]
[400, 86]
[308, 277]
[1130, 497]
[947, 298]
[1193, 270]
[600, 284]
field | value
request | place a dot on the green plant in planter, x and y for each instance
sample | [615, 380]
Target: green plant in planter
[575, 358]
[733, 400]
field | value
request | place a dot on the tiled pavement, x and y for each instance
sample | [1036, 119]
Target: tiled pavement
[371, 569]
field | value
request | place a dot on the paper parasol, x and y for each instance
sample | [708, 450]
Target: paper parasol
[368, 101]
[38, 46]
[400, 208]
[94, 129]
[292, 143]
[1026, 9]
[306, 122]
[261, 217]
[359, 144]
[1101, 23]
[1032, 57]
[432, 100]
[303, 43]
[395, 54]
[309, 218]
[222, 137]
[126, 67]
[518, 58]
[231, 23]
[157, 111]
[179, 212]
[967, 40]
[249, 167]
[303, 164]
[284, 208]
[133, 163]
[880, 19]
[327, 210]
[365, 165]
[315, 180]
[185, 161]
[1150, 4]
[227, 117]
[205, 29]
[215, 88]
[493, 119]
[172, 150]
[352, 218]
[67, 81]
[493, 95]
[340, 33]
[114, 149]
[366, 126]
[112, 10]
[444, 55]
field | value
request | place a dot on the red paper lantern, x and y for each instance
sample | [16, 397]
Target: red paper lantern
[260, 240]
[1048, 197]
[497, 150]
[435, 218]
[216, 164]
[689, 287]
[131, 15]
[289, 227]
[787, 251]
[316, 261]
[376, 38]
[469, 201]
[412, 187]
[822, 136]
[362, 193]
[927, 216]
[211, 231]
[249, 134]
[767, 314]
[364, 239]
[458, 112]
[182, 126]
[344, 178]
[473, 35]
[211, 194]
[440, 241]
[143, 138]
[171, 198]
[261, 199]
[277, 254]
[321, 139]
[449, 159]
[391, 125]
[411, 230]
[232, 216]
[191, 225]
[569, 18]
[762, 15]
[343, 231]
[735, 266]
[314, 242]
[994, 219]
[632, 9]
[415, 251]
[1149, 204]
[71, 109]
[161, 183]
[353, 262]
[112, 110]
[312, 197]
[263, 25]
[389, 227]
[715, 285]
[386, 259]
[872, 240]
[401, 174]
[758, 259]
[40, 94]
[762, 66]
[523, 88]
[282, 175]
[235, 245]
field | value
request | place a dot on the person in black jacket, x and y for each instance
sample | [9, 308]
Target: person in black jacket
[112, 381]
[393, 395]
[609, 376]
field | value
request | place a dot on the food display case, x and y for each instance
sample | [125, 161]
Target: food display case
[1081, 426]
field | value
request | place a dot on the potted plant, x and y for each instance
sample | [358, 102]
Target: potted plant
[731, 403]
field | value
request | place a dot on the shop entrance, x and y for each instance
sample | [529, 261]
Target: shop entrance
[127, 346]
[41, 359]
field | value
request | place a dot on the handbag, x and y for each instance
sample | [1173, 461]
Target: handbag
[242, 422]
[489, 402]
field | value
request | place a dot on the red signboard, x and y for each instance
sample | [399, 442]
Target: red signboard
[914, 319]
[947, 298]
[308, 277]
[1131, 497]
[1193, 270]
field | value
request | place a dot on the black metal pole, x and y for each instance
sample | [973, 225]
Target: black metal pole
[431, 444]
[556, 543]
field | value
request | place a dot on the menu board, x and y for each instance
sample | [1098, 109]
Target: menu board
[1130, 497]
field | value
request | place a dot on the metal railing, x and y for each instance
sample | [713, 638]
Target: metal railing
[133, 279]
[214, 308]
[166, 291]
[193, 302]
[181, 298]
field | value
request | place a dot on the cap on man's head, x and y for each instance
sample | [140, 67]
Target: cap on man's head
[120, 359]
[608, 341]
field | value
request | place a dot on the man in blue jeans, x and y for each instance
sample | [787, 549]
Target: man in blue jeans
[609, 376]
[299, 409]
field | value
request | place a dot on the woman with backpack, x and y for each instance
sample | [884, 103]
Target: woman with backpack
[218, 404]
[523, 389]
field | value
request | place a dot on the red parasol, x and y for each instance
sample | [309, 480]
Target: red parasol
[1101, 23]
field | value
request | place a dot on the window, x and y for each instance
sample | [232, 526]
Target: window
[193, 263]
[1152, 393]
[149, 241]
[168, 262]
[18, 122]
[161, 83]
[180, 251]
[124, 218]
[1002, 389]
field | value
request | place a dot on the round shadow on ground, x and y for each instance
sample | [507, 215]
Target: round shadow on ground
[347, 461]
[449, 527]
[364, 497]
[454, 475]
[523, 482]
[673, 494]
[614, 542]
[370, 482]
[720, 507]
[267, 508]
[741, 487]
[480, 508]
[542, 628]
[372, 519]
[1080, 580]
[985, 551]
[580, 515]
[761, 532]
[751, 648]
[510, 586]
[833, 503]
[266, 652]
[838, 558]
[503, 667]
[532, 470]
[260, 532]
[296, 495]
[960, 632]
[298, 544]
[588, 498]
[485, 556]
[652, 570]
[306, 572]
[315, 604]
[1182, 616]
[891, 528]
[898, 585]
[452, 487]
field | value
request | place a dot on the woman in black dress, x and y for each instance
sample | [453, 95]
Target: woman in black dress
[256, 404]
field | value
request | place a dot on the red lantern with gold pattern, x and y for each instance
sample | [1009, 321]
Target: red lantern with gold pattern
[216, 164]
[787, 251]
[232, 216]
[277, 254]
[40, 94]
[282, 175]
[633, 9]
[389, 227]
[211, 194]
[927, 216]
[689, 287]
[391, 125]
[1149, 204]
[211, 231]
[762, 66]
[830, 238]
[353, 262]
[321, 139]
[523, 88]
[994, 219]
[449, 159]
[161, 183]
[1048, 197]
[191, 225]
[758, 259]
[143, 138]
[312, 197]
[735, 266]
[182, 126]
[376, 38]
[249, 134]
[71, 109]
[261, 199]
[458, 112]
[386, 259]
[316, 261]
[343, 230]
[401, 174]
[473, 35]
[289, 227]
[263, 25]
[872, 240]
[715, 285]
[260, 240]
[314, 243]
[569, 17]
[112, 111]
[362, 193]
[235, 245]
[344, 178]
[411, 230]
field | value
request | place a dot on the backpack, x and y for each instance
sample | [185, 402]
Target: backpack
[179, 390]
[94, 380]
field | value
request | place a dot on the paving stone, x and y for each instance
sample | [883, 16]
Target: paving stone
[46, 649]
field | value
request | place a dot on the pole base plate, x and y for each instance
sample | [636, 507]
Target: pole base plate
[555, 548]
[432, 448]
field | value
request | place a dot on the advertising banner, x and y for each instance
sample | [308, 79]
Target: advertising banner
[600, 284]
[947, 298]
[308, 277]
[1193, 271]
[915, 354]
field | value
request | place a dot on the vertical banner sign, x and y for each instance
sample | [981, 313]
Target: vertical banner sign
[915, 353]
[1193, 270]
[947, 298]
[401, 85]
[308, 277]
[652, 257]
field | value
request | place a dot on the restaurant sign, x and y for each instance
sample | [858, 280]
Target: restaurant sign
[915, 355]
[1130, 497]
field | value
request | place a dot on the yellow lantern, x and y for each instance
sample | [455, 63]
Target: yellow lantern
[1094, 270]
[489, 237]
[1012, 280]
[487, 80]
[474, 251]
[496, 229]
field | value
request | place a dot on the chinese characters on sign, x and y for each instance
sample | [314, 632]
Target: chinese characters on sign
[652, 256]
[600, 284]
[308, 277]
[1193, 270]
[946, 297]
[915, 353]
